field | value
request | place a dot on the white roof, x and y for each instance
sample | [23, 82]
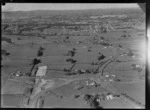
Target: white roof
[92, 83]
[113, 75]
[137, 65]
[17, 74]
[110, 79]
[106, 75]
[41, 71]
[109, 97]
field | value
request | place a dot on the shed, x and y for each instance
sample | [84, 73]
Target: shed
[109, 97]
[41, 71]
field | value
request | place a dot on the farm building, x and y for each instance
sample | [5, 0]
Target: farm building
[41, 71]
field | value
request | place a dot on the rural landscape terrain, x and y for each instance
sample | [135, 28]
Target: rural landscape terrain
[73, 58]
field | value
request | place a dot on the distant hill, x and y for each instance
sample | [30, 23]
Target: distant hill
[40, 13]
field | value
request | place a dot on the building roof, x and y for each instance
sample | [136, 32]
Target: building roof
[41, 71]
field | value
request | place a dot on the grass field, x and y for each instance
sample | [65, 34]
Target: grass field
[25, 50]
[135, 89]
[10, 101]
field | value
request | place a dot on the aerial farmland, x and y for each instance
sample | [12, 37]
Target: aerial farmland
[73, 58]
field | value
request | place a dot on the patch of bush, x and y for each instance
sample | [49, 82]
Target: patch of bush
[101, 57]
[76, 96]
[5, 53]
[6, 39]
[105, 44]
[87, 97]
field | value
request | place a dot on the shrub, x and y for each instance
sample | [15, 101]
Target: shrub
[101, 57]
[71, 60]
[4, 52]
[102, 38]
[120, 46]
[123, 35]
[87, 97]
[40, 51]
[19, 38]
[76, 96]
[6, 39]
[105, 44]
[36, 61]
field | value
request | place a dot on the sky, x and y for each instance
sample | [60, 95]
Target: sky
[64, 6]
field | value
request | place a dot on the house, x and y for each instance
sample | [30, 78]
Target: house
[101, 97]
[110, 79]
[91, 84]
[137, 66]
[109, 97]
[107, 76]
[83, 71]
[113, 75]
[87, 83]
[19, 73]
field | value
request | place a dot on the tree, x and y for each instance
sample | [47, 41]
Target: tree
[67, 37]
[120, 46]
[123, 36]
[74, 49]
[87, 97]
[94, 103]
[40, 51]
[5, 53]
[105, 44]
[35, 62]
[19, 38]
[129, 35]
[7, 40]
[44, 37]
[103, 29]
[72, 52]
[72, 61]
[102, 38]
[42, 48]
[66, 70]
[89, 49]
[101, 57]
[76, 96]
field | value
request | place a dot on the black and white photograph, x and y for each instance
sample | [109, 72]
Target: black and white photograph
[73, 55]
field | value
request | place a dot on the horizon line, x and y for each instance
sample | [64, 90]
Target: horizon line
[68, 9]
